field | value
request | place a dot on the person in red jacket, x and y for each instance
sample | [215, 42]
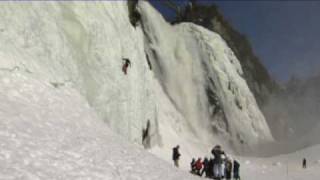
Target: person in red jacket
[198, 166]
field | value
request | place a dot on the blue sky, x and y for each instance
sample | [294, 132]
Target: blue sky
[284, 34]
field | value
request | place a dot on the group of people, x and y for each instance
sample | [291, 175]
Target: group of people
[219, 167]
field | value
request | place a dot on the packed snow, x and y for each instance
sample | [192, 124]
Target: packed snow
[67, 111]
[53, 133]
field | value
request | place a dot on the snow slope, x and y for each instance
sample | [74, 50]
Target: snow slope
[53, 133]
[283, 167]
[82, 44]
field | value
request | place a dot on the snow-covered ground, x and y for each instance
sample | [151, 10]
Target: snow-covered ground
[283, 167]
[52, 133]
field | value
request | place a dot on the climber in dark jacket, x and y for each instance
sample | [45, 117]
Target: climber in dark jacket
[125, 65]
[146, 136]
[176, 155]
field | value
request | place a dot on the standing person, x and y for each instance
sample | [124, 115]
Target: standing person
[209, 174]
[228, 168]
[198, 166]
[125, 65]
[236, 170]
[176, 155]
[217, 162]
[205, 167]
[222, 169]
[304, 163]
[192, 165]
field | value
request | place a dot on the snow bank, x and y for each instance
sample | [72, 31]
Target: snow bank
[53, 133]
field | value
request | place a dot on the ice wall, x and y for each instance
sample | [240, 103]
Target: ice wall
[193, 93]
[203, 79]
[83, 43]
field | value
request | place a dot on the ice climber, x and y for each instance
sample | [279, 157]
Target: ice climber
[176, 155]
[146, 136]
[125, 65]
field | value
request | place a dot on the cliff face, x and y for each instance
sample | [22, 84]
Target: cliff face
[204, 80]
[183, 79]
[256, 75]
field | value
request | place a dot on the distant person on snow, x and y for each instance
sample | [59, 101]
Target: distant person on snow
[125, 65]
[304, 163]
[236, 170]
[176, 155]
